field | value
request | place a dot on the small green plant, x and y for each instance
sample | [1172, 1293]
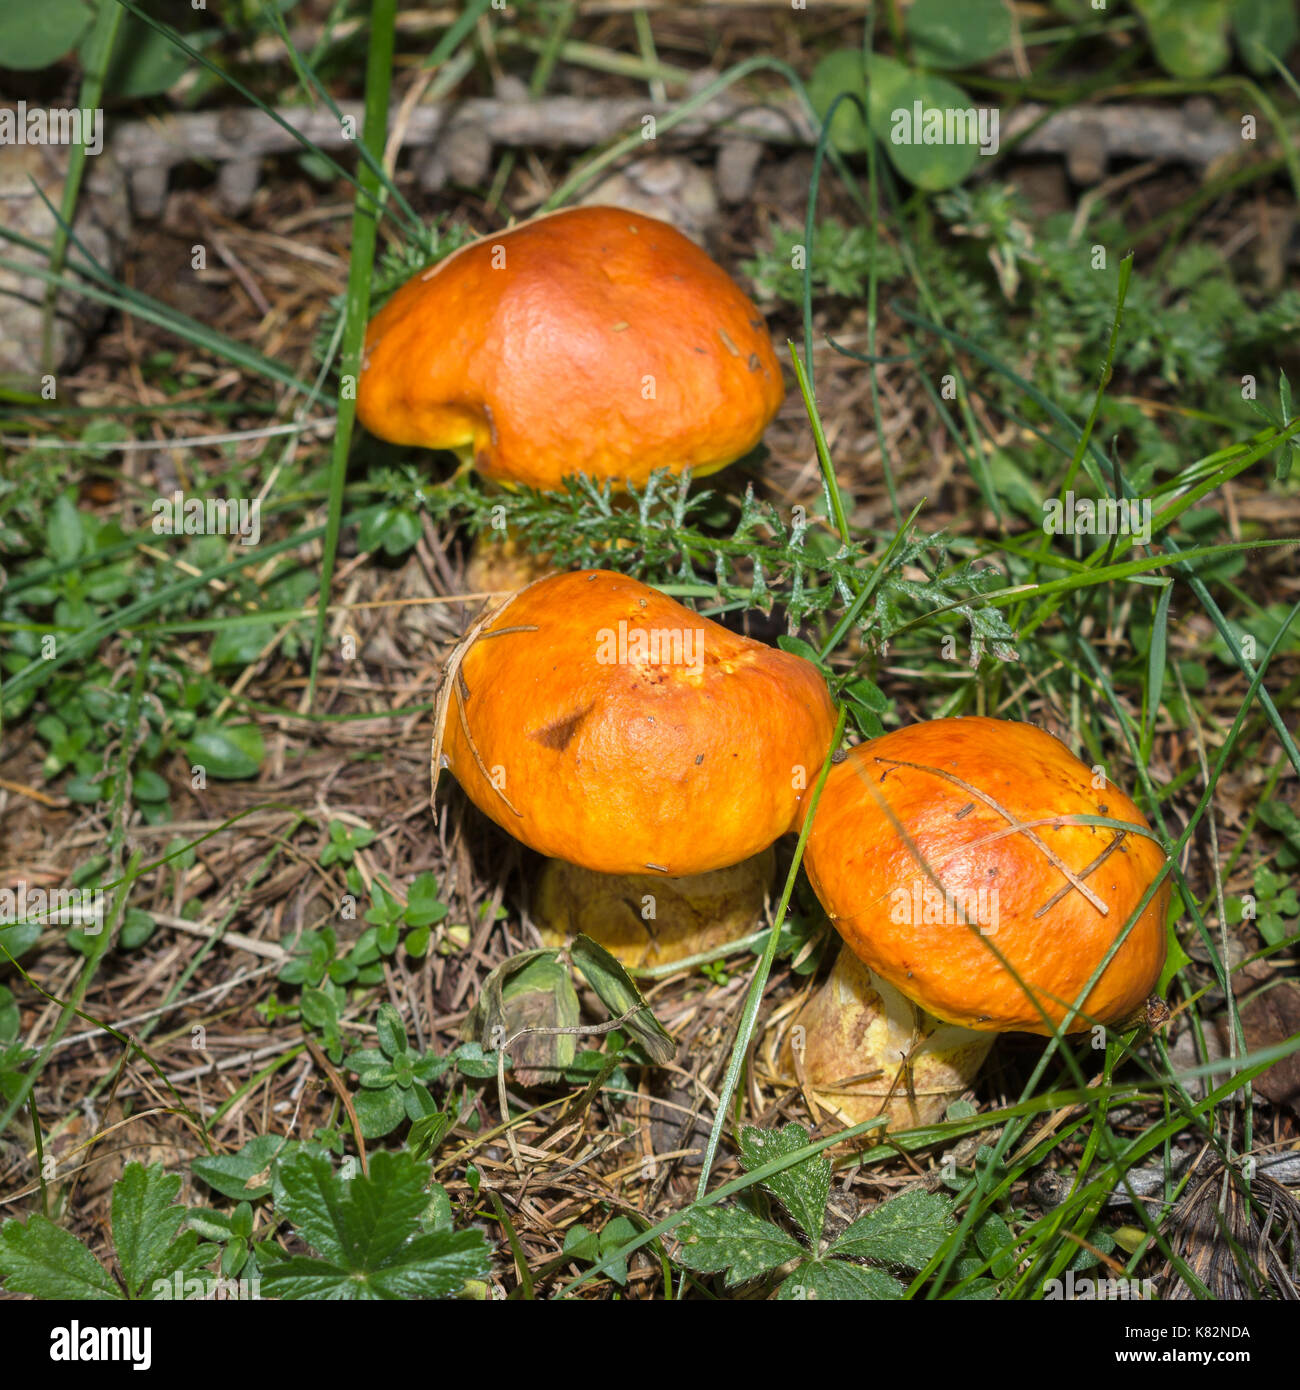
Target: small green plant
[1273, 906]
[588, 1247]
[842, 258]
[152, 1255]
[902, 1233]
[377, 1235]
[394, 1079]
[1191, 37]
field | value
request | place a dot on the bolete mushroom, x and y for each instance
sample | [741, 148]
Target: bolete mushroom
[653, 754]
[949, 855]
[593, 340]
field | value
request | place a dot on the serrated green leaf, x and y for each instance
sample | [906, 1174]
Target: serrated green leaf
[803, 1188]
[145, 1223]
[730, 1238]
[619, 995]
[366, 1227]
[907, 1230]
[44, 1260]
[824, 1281]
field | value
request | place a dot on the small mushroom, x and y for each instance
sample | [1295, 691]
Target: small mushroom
[650, 750]
[936, 849]
[593, 340]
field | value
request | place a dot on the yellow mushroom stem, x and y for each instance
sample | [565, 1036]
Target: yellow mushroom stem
[861, 1048]
[650, 919]
[500, 563]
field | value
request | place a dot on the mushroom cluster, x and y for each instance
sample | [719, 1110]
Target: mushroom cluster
[982, 878]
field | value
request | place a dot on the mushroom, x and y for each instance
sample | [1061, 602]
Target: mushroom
[654, 754]
[935, 849]
[593, 340]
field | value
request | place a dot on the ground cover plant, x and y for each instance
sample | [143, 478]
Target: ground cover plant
[268, 1027]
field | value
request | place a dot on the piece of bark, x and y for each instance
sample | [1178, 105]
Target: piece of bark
[147, 149]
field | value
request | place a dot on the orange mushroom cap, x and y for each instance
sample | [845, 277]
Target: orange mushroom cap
[986, 804]
[622, 732]
[592, 341]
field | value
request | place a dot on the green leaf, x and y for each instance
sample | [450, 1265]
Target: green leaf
[1176, 958]
[145, 63]
[1189, 36]
[319, 1009]
[47, 1262]
[617, 1233]
[838, 1281]
[34, 36]
[379, 1112]
[796, 646]
[239, 643]
[922, 155]
[137, 928]
[948, 35]
[1264, 27]
[616, 991]
[581, 1244]
[425, 1135]
[529, 990]
[390, 528]
[838, 72]
[367, 1228]
[392, 1035]
[10, 1018]
[1156, 662]
[1277, 815]
[867, 694]
[1015, 486]
[423, 906]
[65, 532]
[473, 1061]
[145, 1225]
[802, 1189]
[733, 1239]
[226, 751]
[996, 1243]
[907, 1230]
[19, 938]
[245, 1176]
[148, 786]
